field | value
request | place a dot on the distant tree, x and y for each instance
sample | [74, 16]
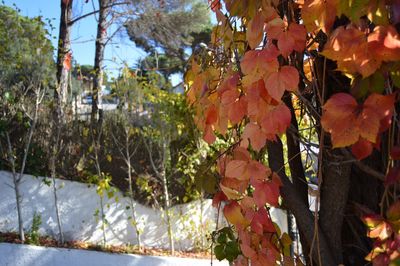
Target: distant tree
[171, 26]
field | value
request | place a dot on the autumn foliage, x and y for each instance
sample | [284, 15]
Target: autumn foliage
[274, 66]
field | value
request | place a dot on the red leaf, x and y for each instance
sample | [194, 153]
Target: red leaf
[257, 171]
[254, 133]
[209, 135]
[393, 176]
[276, 120]
[211, 115]
[237, 110]
[266, 192]
[293, 38]
[236, 169]
[261, 222]
[229, 97]
[218, 197]
[287, 78]
[247, 251]
[361, 149]
[395, 152]
[215, 5]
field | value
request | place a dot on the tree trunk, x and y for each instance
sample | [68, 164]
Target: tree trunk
[19, 209]
[167, 201]
[17, 177]
[101, 40]
[128, 161]
[53, 171]
[321, 252]
[334, 192]
[167, 213]
[64, 47]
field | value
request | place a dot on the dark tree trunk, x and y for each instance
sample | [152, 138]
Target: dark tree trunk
[292, 200]
[334, 192]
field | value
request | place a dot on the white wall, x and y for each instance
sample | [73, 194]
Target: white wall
[78, 203]
[25, 255]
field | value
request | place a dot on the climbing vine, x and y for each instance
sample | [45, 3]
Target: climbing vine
[270, 66]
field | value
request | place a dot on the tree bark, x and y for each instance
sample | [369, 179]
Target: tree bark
[101, 40]
[166, 197]
[64, 47]
[334, 192]
[292, 200]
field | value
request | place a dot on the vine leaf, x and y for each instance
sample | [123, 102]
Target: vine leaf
[347, 121]
[233, 214]
[287, 78]
[292, 38]
[255, 30]
[319, 14]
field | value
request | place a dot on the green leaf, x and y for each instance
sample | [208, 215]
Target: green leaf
[219, 252]
[362, 87]
[221, 238]
[232, 250]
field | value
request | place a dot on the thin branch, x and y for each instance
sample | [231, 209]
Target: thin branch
[95, 12]
[151, 159]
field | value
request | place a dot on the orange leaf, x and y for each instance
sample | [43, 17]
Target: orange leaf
[319, 14]
[230, 193]
[385, 43]
[255, 30]
[254, 133]
[347, 121]
[233, 214]
[276, 121]
[257, 63]
[382, 231]
[257, 170]
[293, 38]
[237, 110]
[287, 78]
[236, 169]
[229, 96]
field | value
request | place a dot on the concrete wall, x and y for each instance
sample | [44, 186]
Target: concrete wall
[25, 255]
[78, 205]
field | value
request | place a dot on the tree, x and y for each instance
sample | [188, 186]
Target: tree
[170, 26]
[280, 70]
[64, 53]
[25, 74]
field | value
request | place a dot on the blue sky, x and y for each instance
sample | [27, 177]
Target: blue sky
[83, 34]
